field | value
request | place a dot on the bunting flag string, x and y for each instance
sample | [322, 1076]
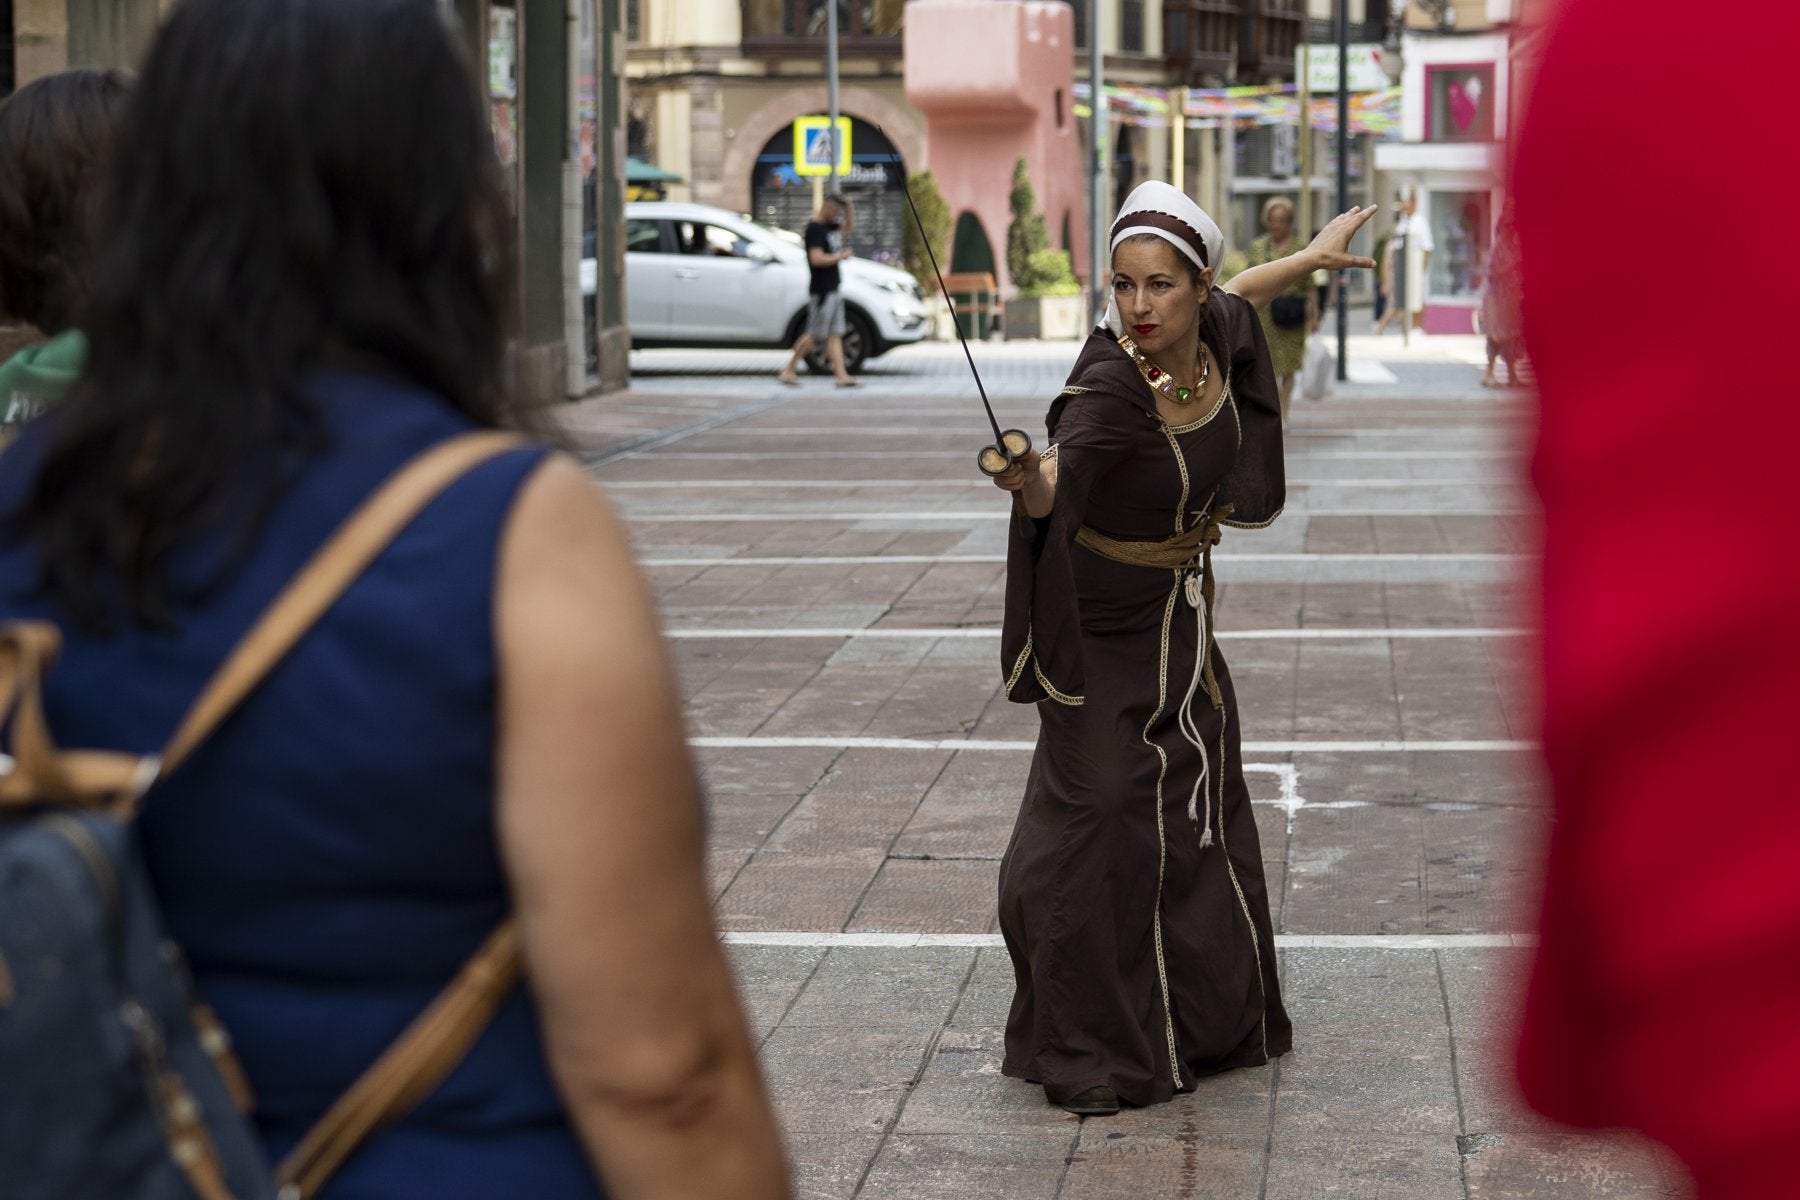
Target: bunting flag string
[1374, 113]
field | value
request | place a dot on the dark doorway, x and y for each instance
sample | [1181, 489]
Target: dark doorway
[8, 69]
[782, 198]
[970, 249]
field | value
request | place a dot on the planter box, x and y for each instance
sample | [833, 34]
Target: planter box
[1050, 318]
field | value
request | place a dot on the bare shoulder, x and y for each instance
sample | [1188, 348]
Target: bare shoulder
[566, 569]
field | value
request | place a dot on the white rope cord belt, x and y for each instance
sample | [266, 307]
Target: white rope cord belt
[1189, 551]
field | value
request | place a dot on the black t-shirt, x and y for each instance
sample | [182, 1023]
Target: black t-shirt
[825, 237]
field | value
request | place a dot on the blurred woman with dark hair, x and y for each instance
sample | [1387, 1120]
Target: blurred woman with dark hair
[54, 134]
[305, 284]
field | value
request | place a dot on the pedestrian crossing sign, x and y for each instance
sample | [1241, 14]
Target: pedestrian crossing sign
[814, 146]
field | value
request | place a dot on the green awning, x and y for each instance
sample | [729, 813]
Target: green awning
[639, 171]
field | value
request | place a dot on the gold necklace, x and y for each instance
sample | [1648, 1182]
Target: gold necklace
[1160, 380]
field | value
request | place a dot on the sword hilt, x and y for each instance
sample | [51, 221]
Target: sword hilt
[997, 459]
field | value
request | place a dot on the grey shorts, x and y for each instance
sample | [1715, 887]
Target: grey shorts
[825, 316]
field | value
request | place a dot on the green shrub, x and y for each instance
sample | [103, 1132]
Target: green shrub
[1026, 234]
[1048, 273]
[934, 213]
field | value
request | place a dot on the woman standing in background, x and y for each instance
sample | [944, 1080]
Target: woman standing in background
[1291, 313]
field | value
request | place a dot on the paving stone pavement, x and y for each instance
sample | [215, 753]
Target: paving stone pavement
[830, 572]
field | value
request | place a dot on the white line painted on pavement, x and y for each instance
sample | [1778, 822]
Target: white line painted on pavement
[876, 560]
[961, 455]
[1362, 370]
[989, 941]
[908, 430]
[618, 485]
[990, 631]
[639, 517]
[759, 742]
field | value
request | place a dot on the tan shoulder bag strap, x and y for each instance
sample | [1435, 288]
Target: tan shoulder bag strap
[437, 1040]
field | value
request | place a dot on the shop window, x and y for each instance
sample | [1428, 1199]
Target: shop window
[1459, 104]
[1460, 224]
[809, 18]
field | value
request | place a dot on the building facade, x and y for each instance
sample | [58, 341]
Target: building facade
[556, 102]
[716, 86]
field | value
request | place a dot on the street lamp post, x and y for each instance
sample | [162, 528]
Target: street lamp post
[1097, 223]
[831, 82]
[1343, 180]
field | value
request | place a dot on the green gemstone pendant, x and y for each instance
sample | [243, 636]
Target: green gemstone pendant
[1182, 394]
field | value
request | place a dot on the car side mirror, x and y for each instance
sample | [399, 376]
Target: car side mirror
[757, 252]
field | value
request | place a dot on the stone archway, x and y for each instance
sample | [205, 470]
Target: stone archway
[900, 125]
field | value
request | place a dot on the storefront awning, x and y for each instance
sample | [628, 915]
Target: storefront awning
[639, 171]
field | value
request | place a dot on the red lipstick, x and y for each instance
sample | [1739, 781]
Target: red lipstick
[1143, 330]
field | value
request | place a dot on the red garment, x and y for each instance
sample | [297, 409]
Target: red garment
[1662, 308]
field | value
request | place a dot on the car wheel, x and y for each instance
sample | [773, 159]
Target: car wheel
[859, 340]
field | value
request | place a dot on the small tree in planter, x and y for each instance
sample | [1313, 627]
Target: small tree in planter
[1048, 304]
[934, 214]
[1026, 235]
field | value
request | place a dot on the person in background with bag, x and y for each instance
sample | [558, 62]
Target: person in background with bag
[55, 133]
[305, 285]
[1290, 314]
[1405, 264]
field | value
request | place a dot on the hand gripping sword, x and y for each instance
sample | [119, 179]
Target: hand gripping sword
[1010, 445]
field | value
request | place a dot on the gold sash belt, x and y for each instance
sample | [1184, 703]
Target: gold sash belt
[1189, 550]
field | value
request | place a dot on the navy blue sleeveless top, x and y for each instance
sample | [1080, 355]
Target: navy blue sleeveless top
[328, 858]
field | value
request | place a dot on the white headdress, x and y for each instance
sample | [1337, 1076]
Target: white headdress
[1164, 210]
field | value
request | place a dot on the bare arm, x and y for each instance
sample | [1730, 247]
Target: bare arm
[1328, 252]
[600, 833]
[825, 258]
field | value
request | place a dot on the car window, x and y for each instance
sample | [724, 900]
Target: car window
[643, 237]
[698, 237]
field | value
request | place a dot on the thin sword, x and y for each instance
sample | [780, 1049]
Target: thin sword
[1000, 439]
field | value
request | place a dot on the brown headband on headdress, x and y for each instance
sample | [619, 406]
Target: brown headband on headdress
[1163, 221]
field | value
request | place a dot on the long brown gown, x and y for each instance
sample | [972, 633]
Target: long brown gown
[1144, 958]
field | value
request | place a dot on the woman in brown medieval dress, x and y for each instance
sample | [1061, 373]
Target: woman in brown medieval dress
[1132, 895]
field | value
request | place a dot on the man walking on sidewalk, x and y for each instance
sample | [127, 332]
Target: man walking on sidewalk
[825, 249]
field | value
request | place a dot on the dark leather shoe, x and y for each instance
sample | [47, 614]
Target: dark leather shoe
[1095, 1102]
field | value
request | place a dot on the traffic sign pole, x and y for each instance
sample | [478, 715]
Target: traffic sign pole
[831, 81]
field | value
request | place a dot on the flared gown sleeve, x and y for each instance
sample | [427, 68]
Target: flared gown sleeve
[1256, 485]
[1041, 654]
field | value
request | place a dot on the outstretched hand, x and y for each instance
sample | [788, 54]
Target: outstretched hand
[1332, 246]
[1020, 474]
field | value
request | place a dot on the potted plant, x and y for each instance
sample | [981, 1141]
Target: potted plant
[1048, 301]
